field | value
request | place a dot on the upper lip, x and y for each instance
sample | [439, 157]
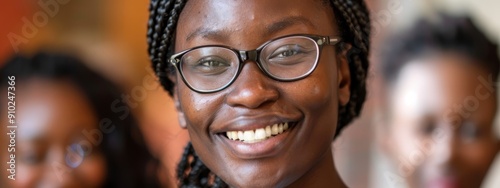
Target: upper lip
[246, 122]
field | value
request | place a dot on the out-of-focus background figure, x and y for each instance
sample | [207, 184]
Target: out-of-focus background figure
[441, 103]
[110, 37]
[69, 133]
[362, 154]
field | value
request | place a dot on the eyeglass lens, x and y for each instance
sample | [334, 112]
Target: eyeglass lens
[211, 68]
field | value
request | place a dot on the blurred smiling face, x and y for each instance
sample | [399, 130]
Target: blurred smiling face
[301, 116]
[51, 117]
[441, 122]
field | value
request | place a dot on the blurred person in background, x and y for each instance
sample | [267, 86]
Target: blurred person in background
[69, 132]
[108, 35]
[441, 103]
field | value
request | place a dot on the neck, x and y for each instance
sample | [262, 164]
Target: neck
[322, 174]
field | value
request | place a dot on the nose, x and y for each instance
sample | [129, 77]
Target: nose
[252, 89]
[58, 173]
[446, 150]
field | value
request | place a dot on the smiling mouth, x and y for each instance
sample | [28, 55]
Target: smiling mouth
[260, 134]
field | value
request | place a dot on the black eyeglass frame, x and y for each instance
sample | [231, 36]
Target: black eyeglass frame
[254, 55]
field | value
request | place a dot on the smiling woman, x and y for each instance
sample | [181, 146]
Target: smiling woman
[262, 86]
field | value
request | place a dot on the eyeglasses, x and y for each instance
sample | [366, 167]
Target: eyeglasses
[212, 68]
[76, 154]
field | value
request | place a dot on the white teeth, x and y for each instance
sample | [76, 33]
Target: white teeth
[240, 135]
[229, 135]
[252, 136]
[260, 134]
[274, 129]
[268, 131]
[234, 135]
[248, 136]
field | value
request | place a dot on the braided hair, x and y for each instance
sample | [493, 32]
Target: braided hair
[353, 19]
[460, 35]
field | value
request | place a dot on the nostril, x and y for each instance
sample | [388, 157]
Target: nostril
[252, 97]
[252, 88]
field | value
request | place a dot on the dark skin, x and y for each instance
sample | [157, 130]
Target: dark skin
[51, 116]
[459, 143]
[300, 157]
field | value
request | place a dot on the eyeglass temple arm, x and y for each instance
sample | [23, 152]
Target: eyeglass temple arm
[328, 41]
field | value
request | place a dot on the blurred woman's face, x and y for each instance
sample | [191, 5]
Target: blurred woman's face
[52, 149]
[255, 101]
[442, 110]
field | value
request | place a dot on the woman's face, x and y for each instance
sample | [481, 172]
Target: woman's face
[52, 119]
[255, 101]
[441, 122]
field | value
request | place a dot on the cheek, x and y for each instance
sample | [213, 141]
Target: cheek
[93, 171]
[479, 156]
[317, 98]
[318, 90]
[30, 175]
[408, 150]
[405, 137]
[199, 109]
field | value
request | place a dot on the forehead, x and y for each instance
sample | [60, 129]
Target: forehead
[438, 84]
[245, 24]
[52, 109]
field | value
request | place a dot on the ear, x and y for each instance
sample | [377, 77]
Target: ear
[180, 112]
[344, 75]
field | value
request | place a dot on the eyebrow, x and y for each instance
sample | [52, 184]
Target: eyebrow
[287, 22]
[36, 138]
[221, 34]
[208, 33]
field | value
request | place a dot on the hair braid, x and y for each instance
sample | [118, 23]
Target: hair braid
[161, 28]
[184, 163]
[152, 12]
[167, 37]
[354, 24]
[194, 173]
[155, 26]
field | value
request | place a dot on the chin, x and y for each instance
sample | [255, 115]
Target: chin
[256, 179]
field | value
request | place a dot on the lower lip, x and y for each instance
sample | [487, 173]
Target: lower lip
[443, 183]
[261, 149]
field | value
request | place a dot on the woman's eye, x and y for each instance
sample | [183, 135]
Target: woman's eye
[287, 51]
[427, 127]
[32, 158]
[76, 154]
[469, 130]
[210, 65]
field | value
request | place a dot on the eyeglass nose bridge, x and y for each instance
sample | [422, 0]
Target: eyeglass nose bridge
[248, 55]
[252, 55]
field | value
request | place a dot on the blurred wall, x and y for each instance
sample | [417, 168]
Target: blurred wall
[11, 13]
